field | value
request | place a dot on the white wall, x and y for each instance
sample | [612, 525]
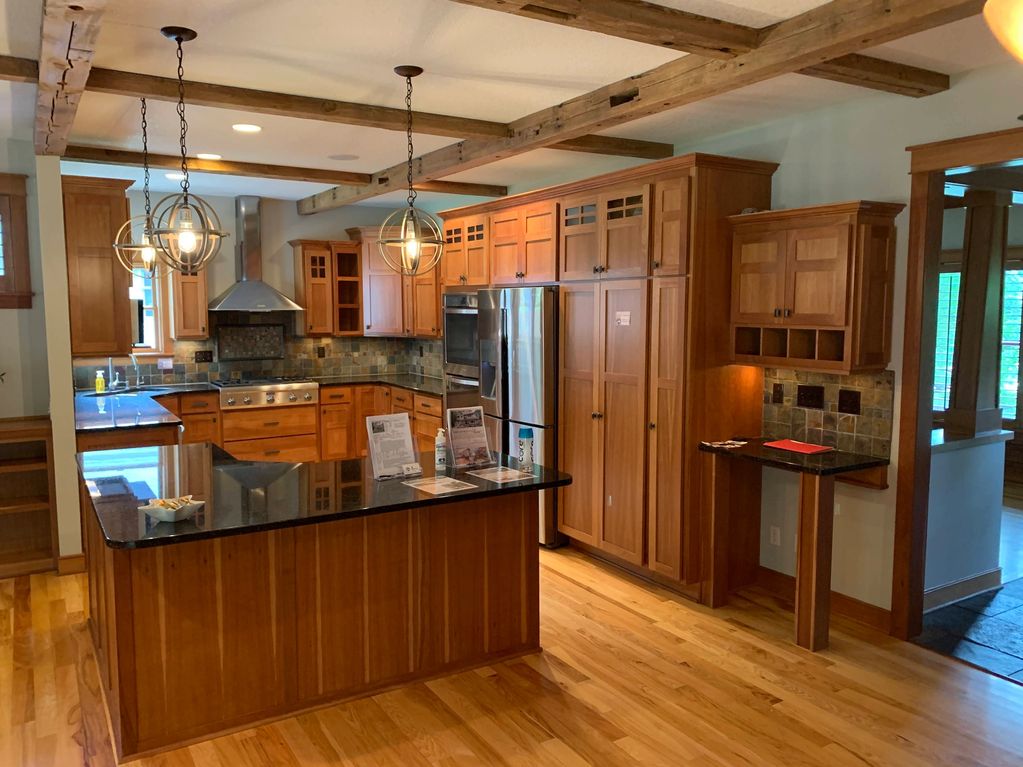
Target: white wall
[22, 331]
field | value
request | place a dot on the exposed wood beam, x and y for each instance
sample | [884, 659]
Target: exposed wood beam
[880, 75]
[833, 30]
[17, 70]
[636, 20]
[346, 112]
[107, 156]
[664, 27]
[68, 36]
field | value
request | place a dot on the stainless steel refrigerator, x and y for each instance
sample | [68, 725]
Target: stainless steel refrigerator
[518, 337]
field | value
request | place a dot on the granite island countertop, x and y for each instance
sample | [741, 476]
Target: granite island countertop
[245, 496]
[825, 464]
[411, 381]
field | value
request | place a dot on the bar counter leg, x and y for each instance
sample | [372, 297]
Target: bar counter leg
[717, 513]
[813, 560]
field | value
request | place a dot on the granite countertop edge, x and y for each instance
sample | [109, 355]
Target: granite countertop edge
[799, 463]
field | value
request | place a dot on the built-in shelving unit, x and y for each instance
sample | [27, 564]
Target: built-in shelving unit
[27, 513]
[347, 290]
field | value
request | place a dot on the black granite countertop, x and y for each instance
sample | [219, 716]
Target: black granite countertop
[123, 410]
[245, 496]
[419, 383]
[824, 464]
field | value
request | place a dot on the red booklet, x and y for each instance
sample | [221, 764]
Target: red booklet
[793, 446]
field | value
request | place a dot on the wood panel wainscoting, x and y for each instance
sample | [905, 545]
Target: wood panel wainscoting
[293, 618]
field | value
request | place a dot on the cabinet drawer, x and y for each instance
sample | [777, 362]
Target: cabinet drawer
[199, 402]
[336, 395]
[401, 398]
[300, 449]
[201, 427]
[119, 438]
[428, 405]
[270, 422]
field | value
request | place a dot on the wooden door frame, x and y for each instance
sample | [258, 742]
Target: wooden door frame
[927, 169]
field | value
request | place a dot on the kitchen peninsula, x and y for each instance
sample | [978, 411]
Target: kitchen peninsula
[296, 585]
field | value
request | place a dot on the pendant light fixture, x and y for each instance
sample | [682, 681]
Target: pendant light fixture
[134, 243]
[187, 231]
[411, 241]
[1005, 18]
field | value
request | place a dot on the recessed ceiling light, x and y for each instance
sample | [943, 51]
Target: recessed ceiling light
[246, 128]
[208, 156]
[175, 176]
[343, 157]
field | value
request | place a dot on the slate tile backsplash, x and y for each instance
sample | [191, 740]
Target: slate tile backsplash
[869, 433]
[343, 356]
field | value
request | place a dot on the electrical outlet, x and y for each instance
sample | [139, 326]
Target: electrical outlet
[810, 396]
[778, 394]
[165, 363]
[775, 534]
[321, 351]
[204, 355]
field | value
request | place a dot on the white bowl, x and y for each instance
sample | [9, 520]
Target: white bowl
[163, 514]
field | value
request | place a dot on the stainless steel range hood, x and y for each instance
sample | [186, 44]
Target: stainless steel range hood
[250, 293]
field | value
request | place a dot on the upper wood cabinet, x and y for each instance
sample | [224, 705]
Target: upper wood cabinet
[328, 287]
[523, 244]
[15, 279]
[189, 301]
[465, 260]
[812, 287]
[381, 288]
[426, 305]
[669, 253]
[606, 233]
[94, 210]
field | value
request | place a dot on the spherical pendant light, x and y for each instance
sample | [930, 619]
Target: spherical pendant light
[186, 230]
[1005, 18]
[411, 241]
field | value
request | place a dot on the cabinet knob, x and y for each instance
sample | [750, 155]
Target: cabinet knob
[596, 269]
[602, 269]
[657, 264]
[593, 415]
[368, 327]
[788, 312]
[777, 312]
[651, 426]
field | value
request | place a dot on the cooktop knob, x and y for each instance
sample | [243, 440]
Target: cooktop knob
[230, 400]
[308, 395]
[269, 396]
[247, 400]
[292, 398]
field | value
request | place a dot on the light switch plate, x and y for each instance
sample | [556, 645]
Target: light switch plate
[165, 363]
[204, 355]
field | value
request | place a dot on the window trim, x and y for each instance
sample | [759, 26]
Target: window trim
[162, 311]
[16, 283]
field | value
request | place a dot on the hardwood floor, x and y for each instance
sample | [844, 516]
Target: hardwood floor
[631, 674]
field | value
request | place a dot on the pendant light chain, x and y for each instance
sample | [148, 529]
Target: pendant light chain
[145, 162]
[181, 117]
[408, 109]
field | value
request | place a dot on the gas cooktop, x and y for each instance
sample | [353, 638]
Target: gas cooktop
[267, 392]
[254, 382]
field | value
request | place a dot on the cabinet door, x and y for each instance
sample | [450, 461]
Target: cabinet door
[758, 277]
[365, 405]
[203, 427]
[621, 416]
[817, 276]
[671, 208]
[452, 265]
[577, 424]
[665, 435]
[505, 246]
[97, 284]
[337, 432]
[426, 305]
[408, 305]
[317, 289]
[477, 266]
[624, 232]
[424, 432]
[579, 250]
[540, 242]
[189, 300]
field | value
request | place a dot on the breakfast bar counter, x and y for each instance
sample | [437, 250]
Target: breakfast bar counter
[295, 585]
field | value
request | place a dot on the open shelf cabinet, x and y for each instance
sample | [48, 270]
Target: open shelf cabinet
[28, 527]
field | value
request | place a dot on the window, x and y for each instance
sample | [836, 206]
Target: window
[148, 296]
[15, 287]
[1012, 334]
[1, 245]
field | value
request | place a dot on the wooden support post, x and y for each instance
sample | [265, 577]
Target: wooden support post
[974, 407]
[813, 560]
[718, 471]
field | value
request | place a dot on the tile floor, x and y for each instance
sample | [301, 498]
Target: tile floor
[987, 630]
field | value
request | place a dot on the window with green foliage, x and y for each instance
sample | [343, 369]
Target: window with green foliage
[948, 309]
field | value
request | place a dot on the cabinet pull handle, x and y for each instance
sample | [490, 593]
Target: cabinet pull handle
[657, 264]
[200, 404]
[593, 415]
[596, 269]
[271, 452]
[788, 312]
[271, 423]
[368, 327]
[777, 312]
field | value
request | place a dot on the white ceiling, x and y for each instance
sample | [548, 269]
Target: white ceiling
[478, 63]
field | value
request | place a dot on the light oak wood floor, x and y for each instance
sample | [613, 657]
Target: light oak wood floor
[631, 675]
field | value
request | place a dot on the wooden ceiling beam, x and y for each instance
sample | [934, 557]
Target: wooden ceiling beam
[109, 156]
[828, 32]
[68, 41]
[637, 20]
[17, 70]
[645, 22]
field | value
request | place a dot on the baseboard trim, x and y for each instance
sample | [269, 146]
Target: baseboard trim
[69, 565]
[784, 587]
[967, 587]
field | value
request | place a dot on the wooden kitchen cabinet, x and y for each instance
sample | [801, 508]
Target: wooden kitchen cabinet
[369, 400]
[201, 427]
[523, 244]
[605, 233]
[812, 287]
[426, 320]
[665, 430]
[672, 199]
[189, 301]
[337, 432]
[452, 264]
[465, 252]
[314, 287]
[579, 245]
[94, 210]
[382, 288]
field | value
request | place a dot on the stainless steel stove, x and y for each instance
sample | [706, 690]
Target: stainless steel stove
[267, 392]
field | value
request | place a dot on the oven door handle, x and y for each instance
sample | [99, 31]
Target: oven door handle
[464, 381]
[461, 311]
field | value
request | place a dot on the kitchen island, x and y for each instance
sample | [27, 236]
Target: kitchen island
[297, 584]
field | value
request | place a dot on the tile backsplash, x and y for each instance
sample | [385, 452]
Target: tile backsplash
[869, 433]
[342, 356]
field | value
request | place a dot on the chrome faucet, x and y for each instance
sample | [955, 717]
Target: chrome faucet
[138, 376]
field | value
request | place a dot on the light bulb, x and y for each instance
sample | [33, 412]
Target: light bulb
[186, 241]
[148, 256]
[1005, 18]
[410, 254]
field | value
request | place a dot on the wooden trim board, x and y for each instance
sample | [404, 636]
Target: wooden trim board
[784, 587]
[71, 564]
[967, 587]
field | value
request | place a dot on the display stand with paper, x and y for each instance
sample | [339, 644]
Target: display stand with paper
[467, 438]
[390, 446]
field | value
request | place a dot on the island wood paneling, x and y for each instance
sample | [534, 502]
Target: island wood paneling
[206, 636]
